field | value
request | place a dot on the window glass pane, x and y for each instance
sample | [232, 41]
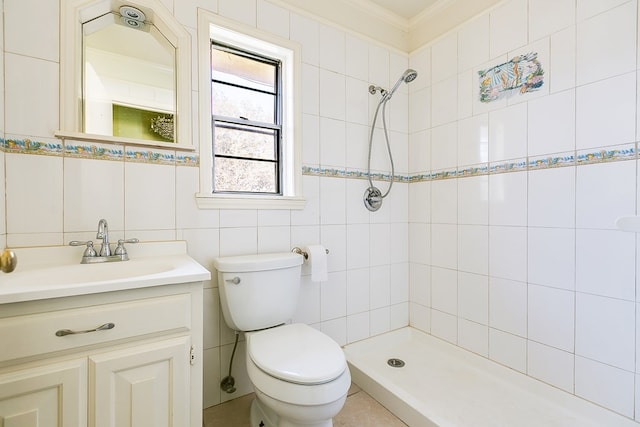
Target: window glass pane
[245, 142]
[239, 70]
[231, 101]
[244, 175]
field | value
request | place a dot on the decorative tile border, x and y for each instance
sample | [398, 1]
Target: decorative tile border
[583, 157]
[168, 157]
[99, 152]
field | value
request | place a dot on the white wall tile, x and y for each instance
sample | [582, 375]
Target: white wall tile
[188, 215]
[597, 251]
[357, 327]
[562, 57]
[604, 192]
[332, 201]
[357, 101]
[444, 101]
[508, 27]
[306, 31]
[589, 8]
[332, 48]
[607, 44]
[380, 287]
[379, 321]
[473, 140]
[308, 308]
[244, 11]
[549, 16]
[444, 290]
[508, 199]
[552, 257]
[274, 239]
[605, 112]
[419, 202]
[332, 143]
[550, 365]
[420, 60]
[332, 95]
[466, 81]
[85, 205]
[357, 291]
[508, 306]
[605, 330]
[508, 252]
[379, 66]
[420, 284]
[272, 18]
[444, 201]
[605, 385]
[238, 241]
[419, 243]
[238, 218]
[473, 297]
[508, 350]
[508, 133]
[357, 57]
[444, 58]
[473, 200]
[357, 246]
[444, 245]
[445, 326]
[311, 89]
[473, 249]
[473, 337]
[31, 89]
[473, 43]
[444, 147]
[551, 200]
[551, 317]
[399, 315]
[336, 329]
[22, 23]
[380, 248]
[552, 124]
[333, 237]
[40, 209]
[333, 296]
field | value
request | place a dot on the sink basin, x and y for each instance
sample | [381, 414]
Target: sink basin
[87, 273]
[63, 275]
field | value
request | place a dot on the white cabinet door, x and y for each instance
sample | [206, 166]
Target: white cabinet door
[46, 396]
[142, 386]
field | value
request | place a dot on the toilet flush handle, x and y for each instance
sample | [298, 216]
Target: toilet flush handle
[235, 280]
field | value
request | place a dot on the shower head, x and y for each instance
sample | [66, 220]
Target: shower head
[408, 76]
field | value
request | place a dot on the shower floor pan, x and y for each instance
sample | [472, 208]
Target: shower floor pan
[445, 386]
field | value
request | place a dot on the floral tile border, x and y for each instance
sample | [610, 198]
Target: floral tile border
[98, 152]
[582, 157]
[168, 157]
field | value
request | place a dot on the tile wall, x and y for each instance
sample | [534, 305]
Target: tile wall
[57, 192]
[510, 206]
[514, 253]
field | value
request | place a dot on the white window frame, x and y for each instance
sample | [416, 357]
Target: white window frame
[212, 26]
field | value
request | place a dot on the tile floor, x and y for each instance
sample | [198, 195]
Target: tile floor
[359, 410]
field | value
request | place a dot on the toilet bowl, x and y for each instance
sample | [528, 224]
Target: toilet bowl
[300, 375]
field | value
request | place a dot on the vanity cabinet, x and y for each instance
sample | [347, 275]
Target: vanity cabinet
[125, 358]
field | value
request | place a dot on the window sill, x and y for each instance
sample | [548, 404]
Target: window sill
[209, 201]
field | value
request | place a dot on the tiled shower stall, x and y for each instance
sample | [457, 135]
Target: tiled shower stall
[499, 235]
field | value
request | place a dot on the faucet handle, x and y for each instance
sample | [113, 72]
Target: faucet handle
[89, 251]
[120, 249]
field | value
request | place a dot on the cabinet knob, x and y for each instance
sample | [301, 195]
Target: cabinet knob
[8, 260]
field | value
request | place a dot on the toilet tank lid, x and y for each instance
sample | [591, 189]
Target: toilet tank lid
[259, 262]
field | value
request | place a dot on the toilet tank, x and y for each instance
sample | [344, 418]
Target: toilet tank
[258, 291]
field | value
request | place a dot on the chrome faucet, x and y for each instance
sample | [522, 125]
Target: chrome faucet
[103, 233]
[91, 256]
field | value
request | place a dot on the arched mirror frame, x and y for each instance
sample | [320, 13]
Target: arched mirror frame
[72, 14]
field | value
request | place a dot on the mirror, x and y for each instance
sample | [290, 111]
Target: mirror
[125, 74]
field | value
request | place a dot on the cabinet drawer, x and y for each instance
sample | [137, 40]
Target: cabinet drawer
[30, 335]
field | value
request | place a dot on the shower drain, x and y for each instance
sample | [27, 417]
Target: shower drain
[396, 363]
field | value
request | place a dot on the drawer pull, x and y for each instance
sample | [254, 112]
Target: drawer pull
[106, 326]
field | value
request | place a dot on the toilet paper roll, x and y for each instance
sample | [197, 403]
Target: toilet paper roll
[317, 262]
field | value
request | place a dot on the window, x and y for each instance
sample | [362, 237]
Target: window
[246, 121]
[249, 117]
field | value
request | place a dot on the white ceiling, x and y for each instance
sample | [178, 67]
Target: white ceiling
[406, 9]
[403, 24]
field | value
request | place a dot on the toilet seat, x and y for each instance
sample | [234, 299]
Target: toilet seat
[296, 353]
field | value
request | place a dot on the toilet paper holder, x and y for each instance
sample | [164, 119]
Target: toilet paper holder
[297, 250]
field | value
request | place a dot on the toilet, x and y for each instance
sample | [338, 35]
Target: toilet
[299, 375]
